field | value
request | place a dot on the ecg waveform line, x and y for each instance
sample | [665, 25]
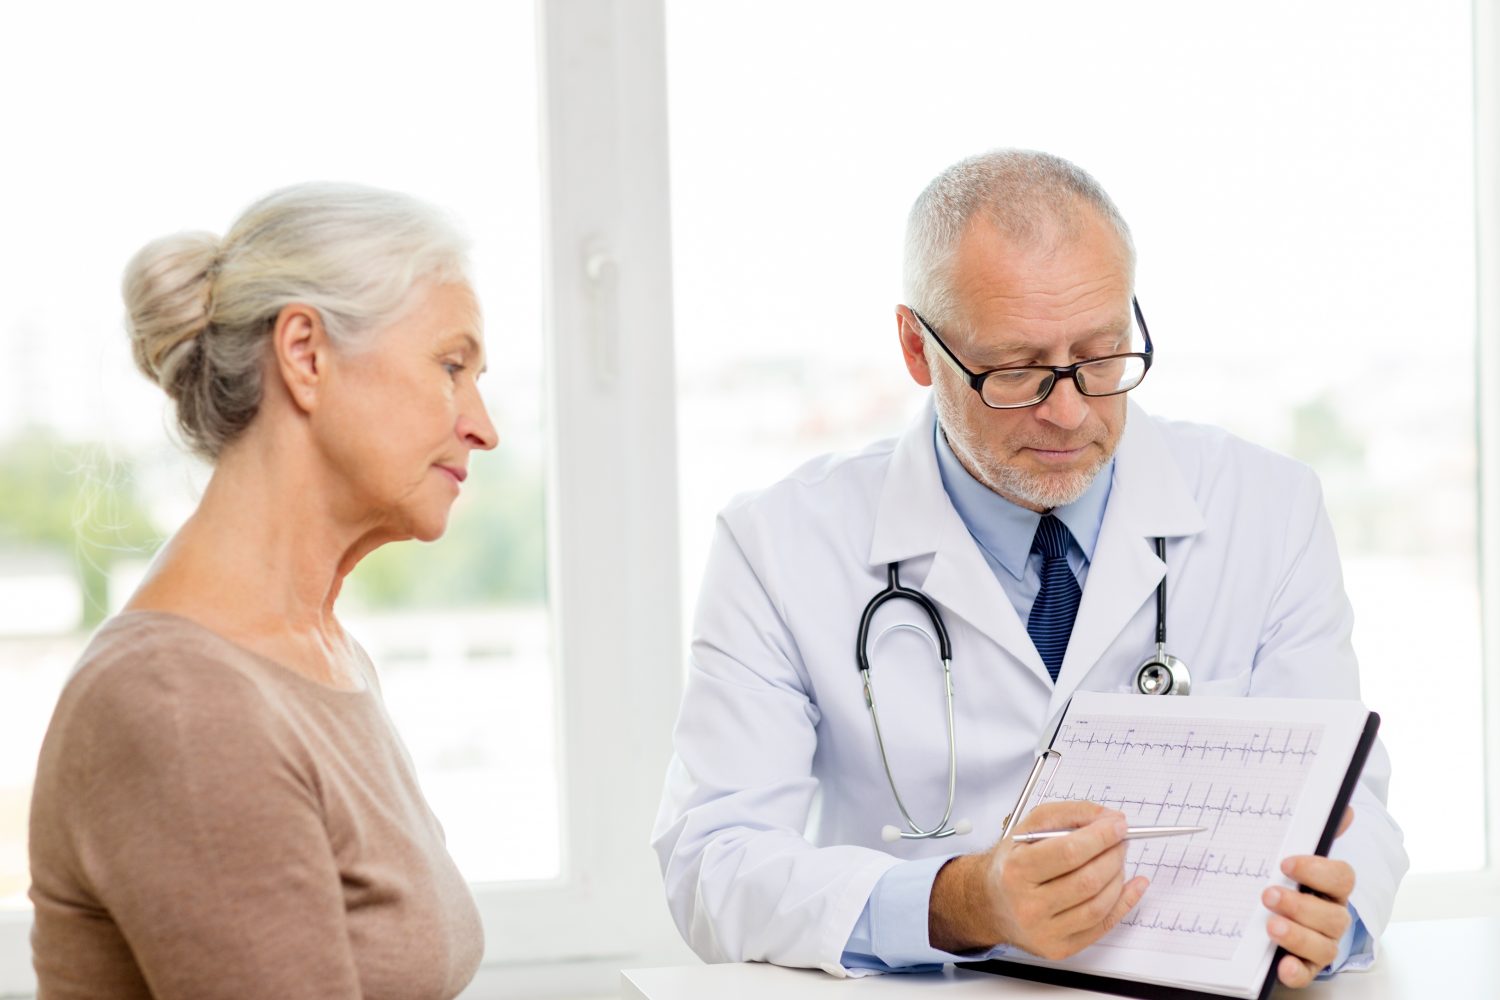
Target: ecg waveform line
[1128, 743]
[1258, 868]
[1178, 926]
[1233, 803]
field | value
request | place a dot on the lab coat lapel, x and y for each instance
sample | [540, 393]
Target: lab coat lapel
[962, 580]
[914, 519]
[1147, 499]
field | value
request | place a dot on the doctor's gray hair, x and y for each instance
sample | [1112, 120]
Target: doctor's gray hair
[200, 309]
[1028, 196]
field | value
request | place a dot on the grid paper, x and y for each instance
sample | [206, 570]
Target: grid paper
[1240, 779]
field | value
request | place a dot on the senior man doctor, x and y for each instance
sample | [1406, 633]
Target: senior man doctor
[1025, 504]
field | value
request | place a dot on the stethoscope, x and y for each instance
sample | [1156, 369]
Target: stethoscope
[1161, 674]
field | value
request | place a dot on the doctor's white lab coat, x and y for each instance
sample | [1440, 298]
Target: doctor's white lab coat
[770, 822]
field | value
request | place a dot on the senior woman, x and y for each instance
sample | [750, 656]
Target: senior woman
[222, 808]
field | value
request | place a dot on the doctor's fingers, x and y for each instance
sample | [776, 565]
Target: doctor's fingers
[1035, 904]
[1296, 972]
[1102, 914]
[1067, 815]
[1051, 859]
[1085, 913]
[1313, 912]
[1056, 936]
[1332, 879]
[1314, 950]
[1083, 884]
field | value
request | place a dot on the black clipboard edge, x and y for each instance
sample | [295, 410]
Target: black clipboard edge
[1335, 817]
[1155, 991]
[1089, 981]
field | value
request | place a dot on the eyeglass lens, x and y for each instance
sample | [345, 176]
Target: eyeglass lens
[1104, 377]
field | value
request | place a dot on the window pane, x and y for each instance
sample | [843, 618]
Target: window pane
[1299, 181]
[179, 129]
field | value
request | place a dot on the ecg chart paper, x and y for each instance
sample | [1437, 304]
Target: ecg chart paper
[1260, 774]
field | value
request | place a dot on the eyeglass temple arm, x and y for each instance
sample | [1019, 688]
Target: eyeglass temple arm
[973, 378]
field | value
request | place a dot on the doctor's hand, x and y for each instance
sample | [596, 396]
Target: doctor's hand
[1309, 925]
[1052, 898]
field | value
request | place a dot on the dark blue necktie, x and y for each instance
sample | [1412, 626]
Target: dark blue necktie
[1051, 621]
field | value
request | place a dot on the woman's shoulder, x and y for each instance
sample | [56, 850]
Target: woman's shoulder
[150, 670]
[154, 650]
[160, 710]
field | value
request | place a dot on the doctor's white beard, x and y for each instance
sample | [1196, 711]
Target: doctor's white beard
[1046, 492]
[1019, 486]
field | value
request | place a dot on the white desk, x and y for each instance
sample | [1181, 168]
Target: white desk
[1419, 960]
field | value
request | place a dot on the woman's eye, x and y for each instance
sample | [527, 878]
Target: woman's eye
[452, 367]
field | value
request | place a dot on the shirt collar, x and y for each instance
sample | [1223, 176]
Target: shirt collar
[1004, 529]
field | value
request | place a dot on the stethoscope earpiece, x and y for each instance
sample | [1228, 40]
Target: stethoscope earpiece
[891, 834]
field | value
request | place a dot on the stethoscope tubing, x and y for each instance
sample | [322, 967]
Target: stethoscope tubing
[1163, 674]
[894, 591]
[1161, 597]
[942, 829]
[1175, 670]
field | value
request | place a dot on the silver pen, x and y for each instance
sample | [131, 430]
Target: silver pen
[1132, 833]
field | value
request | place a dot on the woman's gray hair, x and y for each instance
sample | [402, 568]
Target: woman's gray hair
[200, 310]
[1028, 196]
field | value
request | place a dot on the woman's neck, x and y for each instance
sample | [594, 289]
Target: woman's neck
[267, 549]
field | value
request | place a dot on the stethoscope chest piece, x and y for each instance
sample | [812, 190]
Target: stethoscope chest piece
[1163, 674]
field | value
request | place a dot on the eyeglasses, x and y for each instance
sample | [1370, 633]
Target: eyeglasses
[1014, 388]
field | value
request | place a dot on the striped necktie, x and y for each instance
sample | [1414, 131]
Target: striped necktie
[1051, 621]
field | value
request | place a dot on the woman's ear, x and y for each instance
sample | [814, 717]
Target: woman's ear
[302, 352]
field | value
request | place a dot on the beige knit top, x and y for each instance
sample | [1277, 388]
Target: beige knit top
[207, 823]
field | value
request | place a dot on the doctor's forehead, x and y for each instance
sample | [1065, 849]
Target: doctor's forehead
[1009, 296]
[998, 327]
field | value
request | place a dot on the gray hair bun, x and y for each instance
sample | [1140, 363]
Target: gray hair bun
[168, 289]
[201, 310]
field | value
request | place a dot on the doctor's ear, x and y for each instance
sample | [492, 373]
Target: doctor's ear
[913, 345]
[302, 350]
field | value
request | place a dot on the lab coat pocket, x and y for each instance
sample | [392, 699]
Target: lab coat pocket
[1232, 686]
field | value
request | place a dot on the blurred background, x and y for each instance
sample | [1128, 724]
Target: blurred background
[1299, 178]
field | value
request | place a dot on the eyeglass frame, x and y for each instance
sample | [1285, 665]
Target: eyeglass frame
[976, 380]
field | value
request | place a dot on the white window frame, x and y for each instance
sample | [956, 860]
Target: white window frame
[1487, 258]
[1431, 896]
[613, 531]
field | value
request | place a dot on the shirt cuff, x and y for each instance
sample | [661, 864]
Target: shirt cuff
[1356, 949]
[891, 933]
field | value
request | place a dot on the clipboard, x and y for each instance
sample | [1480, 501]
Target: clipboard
[1361, 725]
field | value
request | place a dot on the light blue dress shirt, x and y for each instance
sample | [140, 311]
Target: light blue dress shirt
[891, 934]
